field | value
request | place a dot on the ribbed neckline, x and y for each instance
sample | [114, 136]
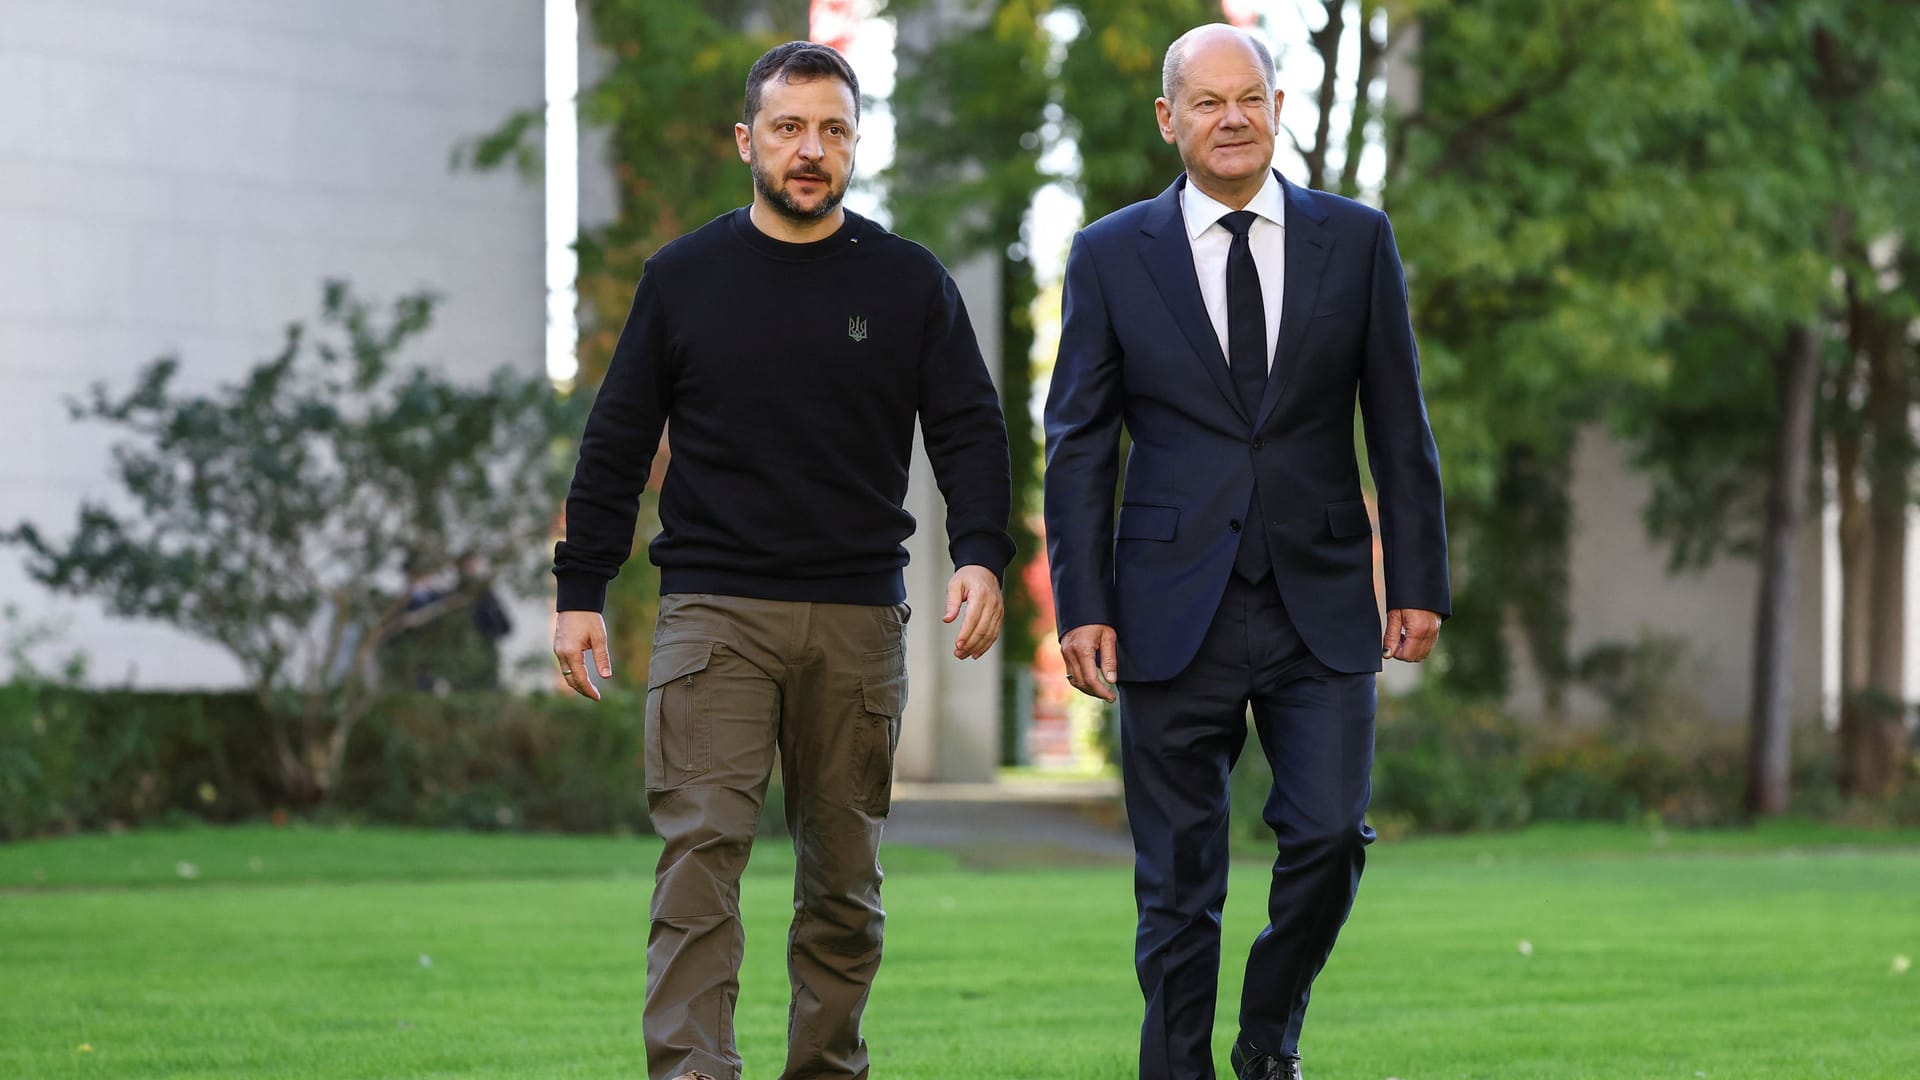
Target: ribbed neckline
[846, 237]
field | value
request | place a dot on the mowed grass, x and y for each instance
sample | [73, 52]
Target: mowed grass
[1552, 953]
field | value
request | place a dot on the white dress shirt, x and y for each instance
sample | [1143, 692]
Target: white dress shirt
[1210, 240]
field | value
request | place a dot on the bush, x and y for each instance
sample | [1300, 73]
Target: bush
[72, 759]
[1446, 765]
[75, 760]
[497, 761]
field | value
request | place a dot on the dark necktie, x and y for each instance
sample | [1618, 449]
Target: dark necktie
[1247, 356]
[1246, 314]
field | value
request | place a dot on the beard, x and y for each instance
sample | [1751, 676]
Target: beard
[784, 204]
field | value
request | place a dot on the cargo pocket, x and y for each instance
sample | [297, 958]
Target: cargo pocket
[883, 698]
[679, 735]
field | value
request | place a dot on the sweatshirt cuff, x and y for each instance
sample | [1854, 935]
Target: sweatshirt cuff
[980, 551]
[581, 592]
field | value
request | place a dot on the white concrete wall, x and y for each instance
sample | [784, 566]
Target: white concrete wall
[1619, 586]
[180, 175]
[951, 730]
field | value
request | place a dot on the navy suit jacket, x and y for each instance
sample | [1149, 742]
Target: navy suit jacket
[1137, 348]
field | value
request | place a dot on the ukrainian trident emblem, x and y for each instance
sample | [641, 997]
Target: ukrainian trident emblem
[857, 329]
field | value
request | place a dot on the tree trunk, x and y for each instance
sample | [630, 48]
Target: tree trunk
[1769, 757]
[1326, 42]
[1372, 55]
[1889, 401]
[1856, 581]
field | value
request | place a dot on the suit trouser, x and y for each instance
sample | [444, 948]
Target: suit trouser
[732, 680]
[1179, 742]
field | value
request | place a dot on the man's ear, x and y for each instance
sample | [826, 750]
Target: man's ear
[1163, 112]
[743, 137]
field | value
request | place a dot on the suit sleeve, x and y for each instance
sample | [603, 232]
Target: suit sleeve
[1400, 447]
[1083, 417]
[965, 435]
[616, 456]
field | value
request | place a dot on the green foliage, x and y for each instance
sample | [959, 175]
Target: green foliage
[1541, 244]
[73, 759]
[1787, 146]
[1449, 763]
[1446, 767]
[1108, 81]
[79, 760]
[274, 515]
[479, 761]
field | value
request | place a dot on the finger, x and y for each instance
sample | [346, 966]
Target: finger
[956, 595]
[577, 676]
[1095, 659]
[1390, 639]
[969, 628]
[1080, 666]
[985, 636]
[573, 671]
[1109, 657]
[987, 630]
[597, 641]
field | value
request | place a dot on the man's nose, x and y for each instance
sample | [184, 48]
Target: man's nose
[1236, 116]
[811, 146]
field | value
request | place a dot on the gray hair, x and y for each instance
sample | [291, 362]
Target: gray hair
[1173, 70]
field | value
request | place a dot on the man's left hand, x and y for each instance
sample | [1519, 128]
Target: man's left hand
[977, 589]
[1410, 635]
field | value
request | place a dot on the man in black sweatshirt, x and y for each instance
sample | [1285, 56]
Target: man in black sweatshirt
[791, 346]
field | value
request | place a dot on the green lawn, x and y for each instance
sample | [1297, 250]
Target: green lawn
[323, 953]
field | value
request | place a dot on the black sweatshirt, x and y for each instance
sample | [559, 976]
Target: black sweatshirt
[792, 375]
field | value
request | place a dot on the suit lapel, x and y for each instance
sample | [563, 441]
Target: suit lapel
[1308, 245]
[1169, 258]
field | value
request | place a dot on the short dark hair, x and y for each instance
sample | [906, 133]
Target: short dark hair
[799, 61]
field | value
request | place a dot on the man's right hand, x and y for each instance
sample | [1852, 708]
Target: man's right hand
[575, 634]
[1090, 653]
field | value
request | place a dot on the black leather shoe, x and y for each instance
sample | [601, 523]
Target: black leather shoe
[1251, 1063]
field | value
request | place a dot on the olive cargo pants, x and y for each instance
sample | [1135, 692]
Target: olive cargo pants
[732, 680]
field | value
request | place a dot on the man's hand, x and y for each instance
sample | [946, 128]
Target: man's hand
[977, 589]
[574, 634]
[1410, 634]
[1090, 653]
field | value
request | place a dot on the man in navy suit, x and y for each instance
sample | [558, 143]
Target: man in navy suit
[1230, 325]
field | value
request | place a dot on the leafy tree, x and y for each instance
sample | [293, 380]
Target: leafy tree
[1551, 243]
[1108, 80]
[1809, 151]
[273, 516]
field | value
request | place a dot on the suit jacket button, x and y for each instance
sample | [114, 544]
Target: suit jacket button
[1234, 525]
[1259, 444]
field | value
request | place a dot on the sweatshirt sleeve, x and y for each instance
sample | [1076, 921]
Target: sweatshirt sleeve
[965, 435]
[616, 456]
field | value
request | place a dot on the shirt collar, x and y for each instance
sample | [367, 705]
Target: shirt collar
[1202, 210]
